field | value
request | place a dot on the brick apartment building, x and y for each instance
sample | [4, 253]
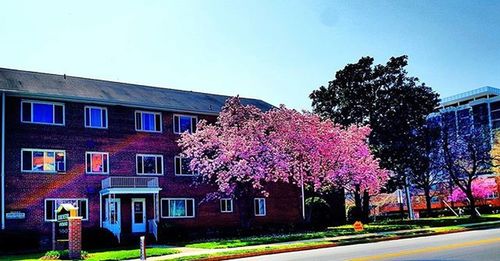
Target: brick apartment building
[110, 149]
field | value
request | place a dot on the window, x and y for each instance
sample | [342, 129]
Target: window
[259, 206]
[149, 164]
[495, 114]
[182, 167]
[49, 161]
[177, 208]
[184, 123]
[96, 163]
[226, 205]
[52, 204]
[492, 195]
[148, 121]
[96, 117]
[42, 112]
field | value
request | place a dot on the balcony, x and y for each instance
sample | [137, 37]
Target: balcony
[130, 183]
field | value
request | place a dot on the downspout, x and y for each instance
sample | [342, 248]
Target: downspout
[3, 161]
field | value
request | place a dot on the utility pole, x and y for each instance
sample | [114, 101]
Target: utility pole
[303, 197]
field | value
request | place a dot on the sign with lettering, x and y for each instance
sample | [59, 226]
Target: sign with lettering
[62, 226]
[358, 226]
[15, 215]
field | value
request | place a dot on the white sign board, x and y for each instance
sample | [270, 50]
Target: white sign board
[15, 215]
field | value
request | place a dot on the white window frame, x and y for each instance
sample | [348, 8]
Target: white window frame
[90, 115]
[168, 206]
[229, 201]
[255, 200]
[43, 150]
[63, 199]
[182, 174]
[492, 195]
[53, 112]
[156, 164]
[102, 155]
[142, 125]
[179, 122]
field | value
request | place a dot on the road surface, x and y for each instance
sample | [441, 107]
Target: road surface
[482, 245]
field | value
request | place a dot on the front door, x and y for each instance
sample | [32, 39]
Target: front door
[138, 215]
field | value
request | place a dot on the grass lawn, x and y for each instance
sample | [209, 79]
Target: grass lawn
[103, 255]
[129, 254]
[253, 250]
[443, 223]
[276, 238]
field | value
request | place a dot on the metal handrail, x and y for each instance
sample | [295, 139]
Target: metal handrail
[130, 182]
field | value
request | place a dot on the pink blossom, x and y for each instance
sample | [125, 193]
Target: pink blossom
[481, 188]
[247, 148]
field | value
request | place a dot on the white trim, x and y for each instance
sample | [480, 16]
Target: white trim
[53, 112]
[90, 115]
[156, 164]
[43, 150]
[168, 206]
[179, 122]
[144, 218]
[107, 191]
[231, 204]
[102, 155]
[182, 174]
[63, 199]
[265, 207]
[142, 126]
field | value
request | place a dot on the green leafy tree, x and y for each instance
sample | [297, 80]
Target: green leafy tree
[384, 97]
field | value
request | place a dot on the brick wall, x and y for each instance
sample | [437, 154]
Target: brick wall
[26, 191]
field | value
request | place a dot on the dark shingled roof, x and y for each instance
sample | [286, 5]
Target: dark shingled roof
[53, 86]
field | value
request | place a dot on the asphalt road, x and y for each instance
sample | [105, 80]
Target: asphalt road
[482, 245]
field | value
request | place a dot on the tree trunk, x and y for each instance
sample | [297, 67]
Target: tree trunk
[310, 211]
[366, 206]
[428, 203]
[245, 208]
[356, 213]
[472, 204]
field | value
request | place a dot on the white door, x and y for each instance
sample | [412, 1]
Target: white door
[138, 215]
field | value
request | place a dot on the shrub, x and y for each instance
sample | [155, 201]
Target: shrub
[98, 238]
[61, 255]
[52, 255]
[16, 241]
[171, 233]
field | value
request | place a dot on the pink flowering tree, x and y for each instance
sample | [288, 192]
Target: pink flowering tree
[323, 156]
[481, 188]
[233, 155]
[246, 149]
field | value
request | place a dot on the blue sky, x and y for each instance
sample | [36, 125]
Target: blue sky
[278, 51]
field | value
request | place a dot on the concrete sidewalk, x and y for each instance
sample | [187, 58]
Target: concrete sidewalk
[187, 251]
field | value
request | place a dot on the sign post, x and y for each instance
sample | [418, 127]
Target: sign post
[143, 247]
[69, 228]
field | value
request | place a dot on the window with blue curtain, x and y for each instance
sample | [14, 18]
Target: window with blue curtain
[42, 112]
[96, 117]
[148, 121]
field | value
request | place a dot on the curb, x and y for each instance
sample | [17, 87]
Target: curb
[342, 243]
